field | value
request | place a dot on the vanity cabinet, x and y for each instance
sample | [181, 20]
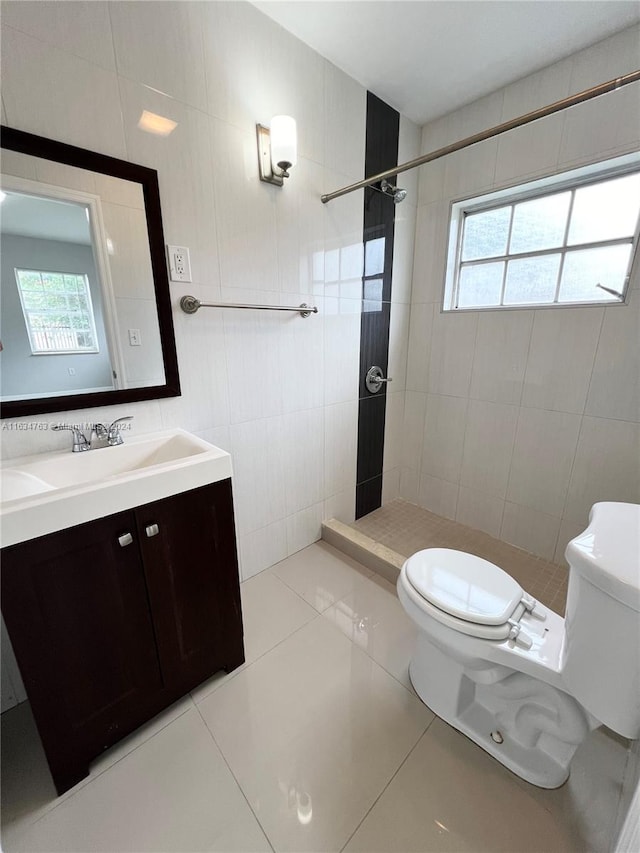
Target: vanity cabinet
[113, 620]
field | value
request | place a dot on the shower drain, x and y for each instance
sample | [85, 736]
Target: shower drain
[496, 737]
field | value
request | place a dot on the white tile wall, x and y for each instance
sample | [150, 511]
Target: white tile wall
[184, 162]
[500, 357]
[161, 46]
[545, 403]
[279, 392]
[537, 90]
[263, 548]
[409, 485]
[529, 151]
[453, 340]
[414, 414]
[606, 465]
[398, 345]
[430, 250]
[543, 454]
[340, 438]
[393, 430]
[561, 354]
[479, 510]
[618, 355]
[443, 438]
[534, 531]
[82, 29]
[488, 446]
[420, 334]
[90, 114]
[342, 506]
[438, 496]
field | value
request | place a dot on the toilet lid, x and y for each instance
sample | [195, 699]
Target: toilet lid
[463, 585]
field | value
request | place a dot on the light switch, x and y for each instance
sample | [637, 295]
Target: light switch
[134, 338]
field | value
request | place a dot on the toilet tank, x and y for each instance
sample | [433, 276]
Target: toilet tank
[601, 659]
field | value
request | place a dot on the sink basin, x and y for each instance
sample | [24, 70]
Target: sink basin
[51, 491]
[60, 470]
[18, 484]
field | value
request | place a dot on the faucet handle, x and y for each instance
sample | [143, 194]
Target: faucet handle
[114, 435]
[80, 441]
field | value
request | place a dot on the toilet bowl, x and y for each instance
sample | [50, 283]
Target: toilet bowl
[522, 682]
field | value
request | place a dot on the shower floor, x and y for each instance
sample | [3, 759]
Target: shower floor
[399, 529]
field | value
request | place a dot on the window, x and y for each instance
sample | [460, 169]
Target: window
[562, 241]
[57, 311]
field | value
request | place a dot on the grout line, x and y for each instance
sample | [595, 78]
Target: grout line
[230, 676]
[534, 314]
[582, 417]
[88, 780]
[66, 50]
[594, 359]
[235, 779]
[399, 768]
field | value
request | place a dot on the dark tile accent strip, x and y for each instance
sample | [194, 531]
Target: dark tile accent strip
[383, 124]
[368, 496]
[371, 413]
[374, 343]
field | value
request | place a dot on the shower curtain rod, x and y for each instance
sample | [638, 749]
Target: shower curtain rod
[557, 106]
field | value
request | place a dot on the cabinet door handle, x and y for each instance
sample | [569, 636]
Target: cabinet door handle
[125, 539]
[152, 530]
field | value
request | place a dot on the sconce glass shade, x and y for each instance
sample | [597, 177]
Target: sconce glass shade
[284, 142]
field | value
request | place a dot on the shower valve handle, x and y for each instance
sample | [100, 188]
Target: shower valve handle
[374, 379]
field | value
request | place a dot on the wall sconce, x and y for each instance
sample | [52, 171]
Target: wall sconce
[277, 149]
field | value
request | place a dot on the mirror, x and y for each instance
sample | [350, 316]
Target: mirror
[86, 311]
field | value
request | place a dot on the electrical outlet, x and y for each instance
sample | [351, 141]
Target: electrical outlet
[134, 338]
[179, 263]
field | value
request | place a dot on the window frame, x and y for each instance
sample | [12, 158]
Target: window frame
[511, 195]
[26, 313]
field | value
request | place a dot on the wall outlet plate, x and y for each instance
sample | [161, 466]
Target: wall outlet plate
[179, 263]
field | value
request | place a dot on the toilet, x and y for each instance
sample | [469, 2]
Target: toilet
[522, 682]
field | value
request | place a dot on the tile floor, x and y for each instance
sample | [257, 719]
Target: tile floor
[406, 528]
[317, 743]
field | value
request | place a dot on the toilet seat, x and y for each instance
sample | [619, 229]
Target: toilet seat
[467, 593]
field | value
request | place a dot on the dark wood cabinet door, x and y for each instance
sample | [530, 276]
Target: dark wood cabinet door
[189, 555]
[76, 607]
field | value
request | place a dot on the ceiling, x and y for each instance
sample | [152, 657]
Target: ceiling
[429, 57]
[45, 219]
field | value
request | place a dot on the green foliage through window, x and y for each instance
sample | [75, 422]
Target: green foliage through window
[57, 311]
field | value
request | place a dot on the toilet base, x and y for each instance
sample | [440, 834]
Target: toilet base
[527, 725]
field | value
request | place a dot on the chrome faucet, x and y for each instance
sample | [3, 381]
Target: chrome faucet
[105, 436]
[114, 436]
[80, 442]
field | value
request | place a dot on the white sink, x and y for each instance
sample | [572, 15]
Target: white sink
[50, 491]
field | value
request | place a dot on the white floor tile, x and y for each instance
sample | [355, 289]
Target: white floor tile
[586, 805]
[450, 796]
[373, 618]
[313, 731]
[173, 793]
[271, 612]
[28, 791]
[320, 574]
